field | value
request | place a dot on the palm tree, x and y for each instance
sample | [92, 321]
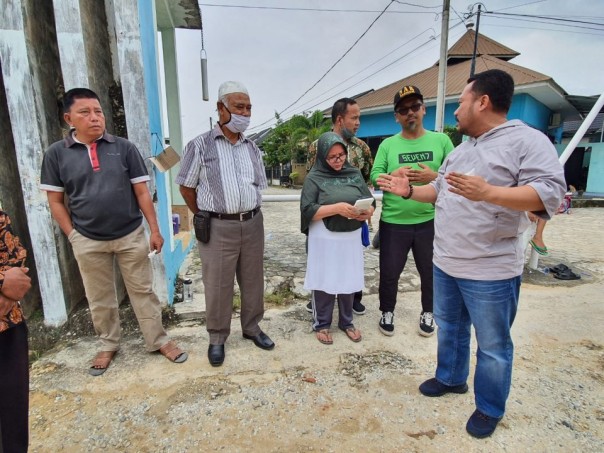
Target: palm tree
[305, 130]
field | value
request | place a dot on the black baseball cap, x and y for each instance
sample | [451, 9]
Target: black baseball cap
[405, 92]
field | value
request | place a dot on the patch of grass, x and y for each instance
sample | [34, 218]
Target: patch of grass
[236, 302]
[280, 298]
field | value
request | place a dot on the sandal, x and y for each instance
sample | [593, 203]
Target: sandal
[101, 362]
[540, 250]
[173, 353]
[567, 275]
[353, 333]
[559, 268]
[324, 336]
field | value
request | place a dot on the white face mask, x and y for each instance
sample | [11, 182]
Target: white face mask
[238, 123]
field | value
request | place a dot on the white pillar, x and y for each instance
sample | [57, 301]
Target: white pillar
[172, 104]
[19, 82]
[71, 43]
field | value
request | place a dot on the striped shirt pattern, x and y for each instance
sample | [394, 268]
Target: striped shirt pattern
[228, 177]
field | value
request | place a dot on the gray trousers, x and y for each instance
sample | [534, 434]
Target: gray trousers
[235, 250]
[322, 309]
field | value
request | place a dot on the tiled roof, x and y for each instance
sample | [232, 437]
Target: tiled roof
[457, 75]
[570, 127]
[464, 47]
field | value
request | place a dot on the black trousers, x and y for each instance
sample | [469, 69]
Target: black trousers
[14, 381]
[395, 243]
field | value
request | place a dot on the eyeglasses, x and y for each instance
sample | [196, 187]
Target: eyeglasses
[337, 157]
[414, 108]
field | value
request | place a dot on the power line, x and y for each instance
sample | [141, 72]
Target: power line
[366, 67]
[543, 22]
[523, 4]
[418, 6]
[554, 18]
[337, 61]
[324, 10]
[545, 29]
[388, 66]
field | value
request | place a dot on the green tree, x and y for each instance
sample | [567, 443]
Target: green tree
[307, 130]
[289, 140]
[453, 134]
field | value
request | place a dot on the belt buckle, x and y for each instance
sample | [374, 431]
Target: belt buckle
[241, 214]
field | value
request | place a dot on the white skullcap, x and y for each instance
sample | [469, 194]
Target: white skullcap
[231, 87]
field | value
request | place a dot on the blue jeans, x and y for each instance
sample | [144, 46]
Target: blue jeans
[491, 307]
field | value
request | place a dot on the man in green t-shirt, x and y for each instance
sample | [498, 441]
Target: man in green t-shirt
[406, 224]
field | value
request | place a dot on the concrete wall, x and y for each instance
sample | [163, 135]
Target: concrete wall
[531, 111]
[595, 161]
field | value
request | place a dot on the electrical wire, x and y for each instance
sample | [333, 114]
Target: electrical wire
[522, 4]
[339, 84]
[334, 65]
[488, 24]
[534, 16]
[323, 10]
[542, 22]
[391, 65]
[348, 88]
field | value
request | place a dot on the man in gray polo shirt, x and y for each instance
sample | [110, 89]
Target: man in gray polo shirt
[221, 176]
[481, 193]
[104, 178]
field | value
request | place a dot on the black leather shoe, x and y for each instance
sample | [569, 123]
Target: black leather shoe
[261, 340]
[216, 354]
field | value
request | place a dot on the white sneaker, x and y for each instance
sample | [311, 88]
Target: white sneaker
[387, 323]
[426, 324]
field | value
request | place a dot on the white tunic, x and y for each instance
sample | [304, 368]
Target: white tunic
[335, 260]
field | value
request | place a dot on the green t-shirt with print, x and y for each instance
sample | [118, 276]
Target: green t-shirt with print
[430, 149]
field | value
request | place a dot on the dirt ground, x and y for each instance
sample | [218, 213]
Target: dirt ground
[304, 396]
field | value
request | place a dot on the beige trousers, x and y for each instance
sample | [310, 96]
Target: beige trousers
[95, 260]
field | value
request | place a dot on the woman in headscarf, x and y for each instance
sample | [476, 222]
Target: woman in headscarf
[333, 225]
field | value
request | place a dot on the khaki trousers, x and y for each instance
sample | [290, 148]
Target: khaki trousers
[95, 260]
[235, 250]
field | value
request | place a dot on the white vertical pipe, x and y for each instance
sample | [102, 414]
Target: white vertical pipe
[442, 69]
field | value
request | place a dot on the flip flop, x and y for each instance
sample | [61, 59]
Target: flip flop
[540, 250]
[353, 333]
[101, 362]
[324, 336]
[567, 275]
[558, 268]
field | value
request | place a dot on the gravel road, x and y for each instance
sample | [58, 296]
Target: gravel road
[304, 396]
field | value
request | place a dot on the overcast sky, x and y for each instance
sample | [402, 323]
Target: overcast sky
[279, 54]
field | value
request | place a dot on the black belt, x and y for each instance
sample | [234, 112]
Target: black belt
[241, 216]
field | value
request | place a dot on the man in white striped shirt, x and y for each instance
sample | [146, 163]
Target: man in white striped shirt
[221, 178]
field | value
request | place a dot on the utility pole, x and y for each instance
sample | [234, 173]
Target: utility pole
[473, 67]
[442, 69]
